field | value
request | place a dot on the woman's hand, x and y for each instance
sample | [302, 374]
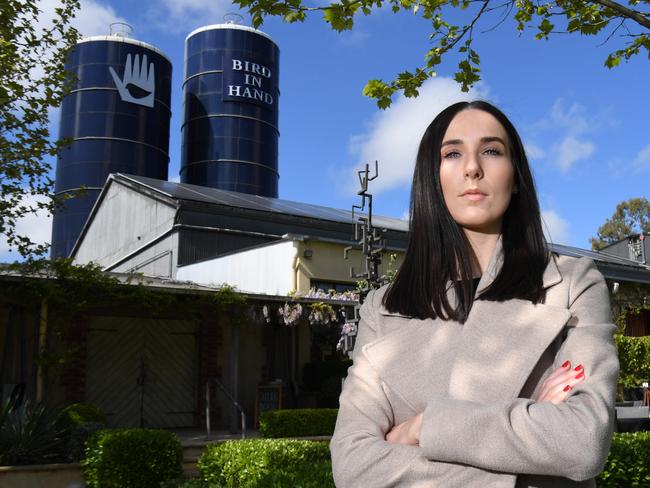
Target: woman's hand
[559, 384]
[407, 432]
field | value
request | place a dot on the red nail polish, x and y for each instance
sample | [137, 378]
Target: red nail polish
[567, 388]
[578, 367]
[580, 375]
[565, 364]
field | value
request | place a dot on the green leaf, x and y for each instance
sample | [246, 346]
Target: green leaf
[474, 57]
[546, 26]
[338, 17]
[294, 16]
[612, 61]
[384, 102]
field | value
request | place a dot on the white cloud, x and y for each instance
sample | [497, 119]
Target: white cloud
[642, 160]
[533, 151]
[175, 179]
[571, 150]
[183, 16]
[92, 19]
[573, 123]
[95, 18]
[393, 135]
[571, 118]
[37, 226]
[556, 229]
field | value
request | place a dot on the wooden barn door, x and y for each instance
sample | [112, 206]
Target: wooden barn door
[142, 372]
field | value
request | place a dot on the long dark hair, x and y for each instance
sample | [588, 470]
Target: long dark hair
[438, 250]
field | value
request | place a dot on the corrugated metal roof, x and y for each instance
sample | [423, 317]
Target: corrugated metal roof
[612, 266]
[187, 192]
[598, 256]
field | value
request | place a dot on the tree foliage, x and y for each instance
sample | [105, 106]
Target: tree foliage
[631, 217]
[32, 82]
[586, 17]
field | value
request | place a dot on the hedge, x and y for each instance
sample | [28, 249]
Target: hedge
[81, 420]
[298, 422]
[267, 463]
[634, 357]
[628, 463]
[132, 458]
[277, 463]
[78, 414]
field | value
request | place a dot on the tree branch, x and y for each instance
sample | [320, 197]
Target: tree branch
[469, 26]
[613, 32]
[510, 5]
[625, 12]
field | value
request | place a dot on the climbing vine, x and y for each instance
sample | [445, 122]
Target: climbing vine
[71, 291]
[231, 305]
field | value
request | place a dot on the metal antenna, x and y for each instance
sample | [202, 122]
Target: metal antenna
[372, 247]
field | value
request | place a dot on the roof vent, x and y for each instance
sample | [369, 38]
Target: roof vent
[121, 29]
[233, 18]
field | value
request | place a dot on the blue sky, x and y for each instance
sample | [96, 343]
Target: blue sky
[585, 126]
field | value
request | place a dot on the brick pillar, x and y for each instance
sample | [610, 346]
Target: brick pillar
[73, 379]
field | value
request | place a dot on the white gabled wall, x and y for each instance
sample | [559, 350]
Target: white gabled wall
[125, 221]
[268, 269]
[157, 260]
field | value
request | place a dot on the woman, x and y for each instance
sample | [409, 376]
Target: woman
[488, 361]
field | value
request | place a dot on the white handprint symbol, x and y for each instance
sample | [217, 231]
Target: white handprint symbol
[138, 86]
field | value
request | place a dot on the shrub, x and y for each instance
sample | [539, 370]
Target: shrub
[267, 463]
[31, 433]
[634, 357]
[628, 463]
[299, 422]
[78, 437]
[81, 419]
[125, 458]
[78, 414]
[186, 482]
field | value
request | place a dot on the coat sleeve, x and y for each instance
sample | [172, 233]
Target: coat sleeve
[570, 439]
[361, 457]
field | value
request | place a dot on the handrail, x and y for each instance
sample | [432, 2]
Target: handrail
[230, 397]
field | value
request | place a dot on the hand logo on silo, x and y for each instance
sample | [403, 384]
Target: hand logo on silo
[138, 85]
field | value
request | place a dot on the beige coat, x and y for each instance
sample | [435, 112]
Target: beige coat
[474, 383]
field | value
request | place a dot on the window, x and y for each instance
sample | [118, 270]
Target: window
[330, 285]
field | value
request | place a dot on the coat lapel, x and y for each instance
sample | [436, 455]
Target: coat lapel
[487, 359]
[501, 342]
[500, 345]
[414, 360]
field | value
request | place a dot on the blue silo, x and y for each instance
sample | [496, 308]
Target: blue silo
[230, 110]
[117, 118]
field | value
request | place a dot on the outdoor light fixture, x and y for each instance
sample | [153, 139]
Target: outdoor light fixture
[308, 253]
